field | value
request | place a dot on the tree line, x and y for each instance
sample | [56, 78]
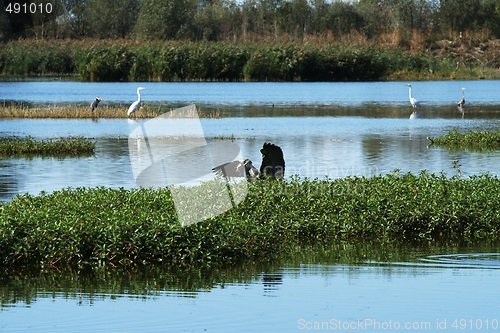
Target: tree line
[248, 20]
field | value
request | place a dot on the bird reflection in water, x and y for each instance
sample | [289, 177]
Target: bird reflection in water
[271, 282]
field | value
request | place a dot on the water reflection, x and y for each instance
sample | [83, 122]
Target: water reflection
[342, 282]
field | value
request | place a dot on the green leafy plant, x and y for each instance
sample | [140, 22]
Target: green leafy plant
[101, 226]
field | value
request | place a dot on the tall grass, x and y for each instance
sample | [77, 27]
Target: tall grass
[37, 58]
[98, 60]
[99, 226]
[103, 111]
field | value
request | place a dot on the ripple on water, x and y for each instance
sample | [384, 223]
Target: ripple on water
[460, 260]
[464, 260]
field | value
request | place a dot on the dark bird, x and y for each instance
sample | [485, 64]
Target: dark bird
[95, 103]
[273, 165]
[461, 102]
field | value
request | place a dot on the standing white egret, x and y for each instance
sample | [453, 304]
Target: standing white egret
[95, 103]
[136, 104]
[413, 101]
[461, 102]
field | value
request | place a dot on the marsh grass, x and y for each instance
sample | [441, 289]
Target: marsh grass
[103, 226]
[127, 60]
[73, 146]
[482, 140]
[231, 137]
[103, 111]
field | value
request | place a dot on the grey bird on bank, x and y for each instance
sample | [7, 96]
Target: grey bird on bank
[95, 103]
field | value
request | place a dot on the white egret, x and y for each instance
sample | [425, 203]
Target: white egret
[273, 165]
[413, 101]
[136, 104]
[461, 102]
[95, 103]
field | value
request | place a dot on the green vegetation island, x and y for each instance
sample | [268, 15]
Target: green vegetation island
[73, 146]
[101, 226]
[472, 140]
[251, 40]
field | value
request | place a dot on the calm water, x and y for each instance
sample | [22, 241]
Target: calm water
[333, 145]
[437, 93]
[334, 129]
[411, 289]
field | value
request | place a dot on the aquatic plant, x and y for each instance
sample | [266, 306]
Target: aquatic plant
[479, 140]
[101, 226]
[61, 146]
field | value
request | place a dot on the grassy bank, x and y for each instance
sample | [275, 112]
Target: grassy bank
[482, 140]
[100, 226]
[84, 112]
[98, 60]
[63, 146]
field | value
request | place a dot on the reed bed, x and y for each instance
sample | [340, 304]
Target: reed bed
[73, 146]
[121, 60]
[103, 111]
[477, 140]
[103, 226]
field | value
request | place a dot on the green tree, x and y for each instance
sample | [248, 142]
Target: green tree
[111, 18]
[494, 19]
[165, 19]
[211, 21]
[319, 15]
[459, 15]
[294, 17]
[344, 18]
[71, 19]
[5, 29]
[377, 16]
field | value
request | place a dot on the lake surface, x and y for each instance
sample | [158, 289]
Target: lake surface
[345, 288]
[429, 93]
[334, 129]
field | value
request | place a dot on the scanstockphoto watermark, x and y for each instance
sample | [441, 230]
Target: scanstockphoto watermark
[332, 171]
[455, 324]
[364, 324]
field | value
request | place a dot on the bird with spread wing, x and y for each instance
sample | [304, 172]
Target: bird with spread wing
[273, 165]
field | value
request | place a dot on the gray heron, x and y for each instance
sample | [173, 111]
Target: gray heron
[243, 168]
[461, 102]
[95, 103]
[273, 165]
[137, 103]
[413, 101]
